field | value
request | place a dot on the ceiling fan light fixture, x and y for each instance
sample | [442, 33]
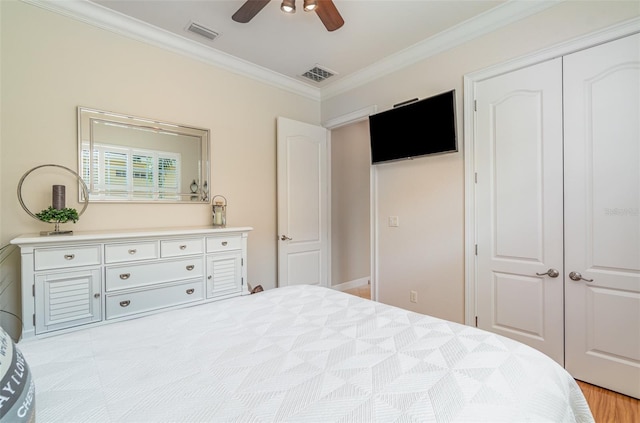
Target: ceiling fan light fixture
[310, 5]
[288, 6]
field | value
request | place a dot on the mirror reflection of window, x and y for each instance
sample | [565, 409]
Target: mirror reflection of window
[127, 173]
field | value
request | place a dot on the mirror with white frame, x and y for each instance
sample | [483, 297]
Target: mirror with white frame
[141, 160]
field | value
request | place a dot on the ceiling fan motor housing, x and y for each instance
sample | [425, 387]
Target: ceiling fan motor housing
[325, 9]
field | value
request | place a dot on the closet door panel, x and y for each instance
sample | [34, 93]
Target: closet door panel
[519, 205]
[602, 218]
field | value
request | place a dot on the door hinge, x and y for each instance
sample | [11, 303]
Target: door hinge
[242, 281]
[476, 321]
[476, 246]
[241, 262]
[34, 319]
[475, 177]
[475, 105]
[33, 290]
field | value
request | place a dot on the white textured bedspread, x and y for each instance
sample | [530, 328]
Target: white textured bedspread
[296, 354]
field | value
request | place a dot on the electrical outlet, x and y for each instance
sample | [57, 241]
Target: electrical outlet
[413, 296]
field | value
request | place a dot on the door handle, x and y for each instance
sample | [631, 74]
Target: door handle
[552, 273]
[285, 238]
[575, 276]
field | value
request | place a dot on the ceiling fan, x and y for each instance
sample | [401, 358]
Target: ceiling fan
[326, 10]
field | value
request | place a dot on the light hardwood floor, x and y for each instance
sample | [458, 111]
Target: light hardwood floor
[606, 406]
[361, 291]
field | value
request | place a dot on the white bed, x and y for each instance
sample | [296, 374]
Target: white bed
[295, 354]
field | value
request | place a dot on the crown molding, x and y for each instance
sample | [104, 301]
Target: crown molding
[489, 21]
[110, 20]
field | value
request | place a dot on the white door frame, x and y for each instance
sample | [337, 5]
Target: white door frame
[470, 80]
[335, 123]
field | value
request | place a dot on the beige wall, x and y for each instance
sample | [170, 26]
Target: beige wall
[350, 206]
[426, 252]
[52, 64]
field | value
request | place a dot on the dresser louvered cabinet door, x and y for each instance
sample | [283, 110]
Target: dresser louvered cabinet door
[67, 299]
[224, 274]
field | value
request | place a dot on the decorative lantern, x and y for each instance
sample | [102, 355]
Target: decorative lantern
[219, 211]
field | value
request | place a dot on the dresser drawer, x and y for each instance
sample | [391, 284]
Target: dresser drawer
[133, 251]
[223, 243]
[181, 247]
[137, 275]
[153, 299]
[59, 258]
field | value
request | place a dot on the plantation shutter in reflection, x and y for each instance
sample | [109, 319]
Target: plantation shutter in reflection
[143, 175]
[115, 172]
[167, 176]
[95, 168]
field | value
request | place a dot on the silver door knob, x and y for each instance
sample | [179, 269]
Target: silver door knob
[552, 273]
[285, 238]
[575, 276]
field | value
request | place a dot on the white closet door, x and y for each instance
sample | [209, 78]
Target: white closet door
[602, 203]
[519, 206]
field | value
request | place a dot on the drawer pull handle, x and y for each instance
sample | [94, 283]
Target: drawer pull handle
[125, 303]
[125, 276]
[183, 247]
[133, 251]
[190, 267]
[224, 243]
[69, 256]
[190, 291]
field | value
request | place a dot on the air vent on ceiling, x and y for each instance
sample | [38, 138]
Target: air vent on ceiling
[203, 31]
[318, 74]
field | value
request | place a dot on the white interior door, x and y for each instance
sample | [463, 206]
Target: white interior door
[302, 203]
[519, 206]
[602, 223]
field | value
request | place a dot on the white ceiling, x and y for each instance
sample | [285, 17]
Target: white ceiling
[378, 35]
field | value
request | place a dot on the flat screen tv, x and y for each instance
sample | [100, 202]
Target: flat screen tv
[416, 129]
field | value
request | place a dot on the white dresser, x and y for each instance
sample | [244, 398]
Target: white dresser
[88, 278]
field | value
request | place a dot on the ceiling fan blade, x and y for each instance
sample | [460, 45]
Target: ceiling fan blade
[248, 10]
[329, 15]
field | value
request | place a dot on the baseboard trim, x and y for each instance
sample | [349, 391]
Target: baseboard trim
[356, 283]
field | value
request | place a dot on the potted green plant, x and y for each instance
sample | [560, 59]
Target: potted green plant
[58, 216]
